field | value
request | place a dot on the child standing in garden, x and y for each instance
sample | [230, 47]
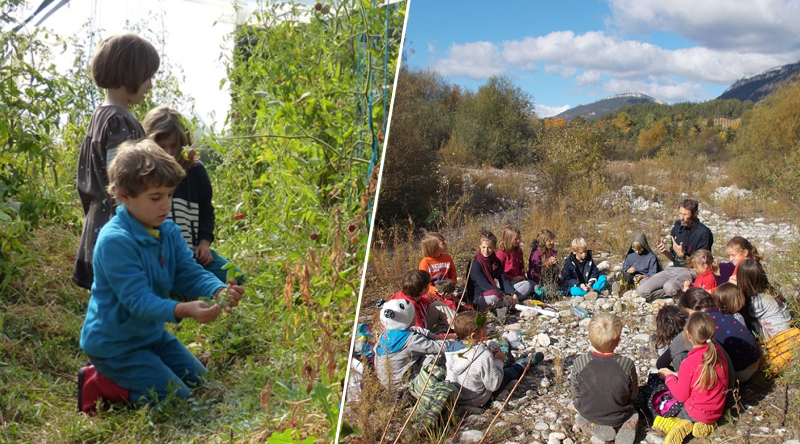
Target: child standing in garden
[124, 65]
[510, 254]
[139, 258]
[191, 204]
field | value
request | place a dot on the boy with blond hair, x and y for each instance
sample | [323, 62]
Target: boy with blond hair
[141, 256]
[580, 275]
[478, 370]
[605, 385]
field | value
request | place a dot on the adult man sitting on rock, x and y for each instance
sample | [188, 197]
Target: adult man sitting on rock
[687, 236]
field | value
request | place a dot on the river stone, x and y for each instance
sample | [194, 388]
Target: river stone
[590, 296]
[541, 341]
[654, 439]
[541, 426]
[603, 266]
[557, 435]
[470, 436]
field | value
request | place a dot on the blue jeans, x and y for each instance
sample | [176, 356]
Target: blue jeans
[597, 286]
[163, 367]
[217, 262]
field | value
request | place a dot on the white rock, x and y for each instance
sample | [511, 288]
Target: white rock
[603, 266]
[591, 296]
[585, 322]
[540, 426]
[642, 337]
[568, 441]
[557, 435]
[654, 439]
[541, 341]
[553, 441]
[470, 436]
[511, 336]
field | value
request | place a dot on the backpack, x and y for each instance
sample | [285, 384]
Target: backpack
[436, 402]
[655, 399]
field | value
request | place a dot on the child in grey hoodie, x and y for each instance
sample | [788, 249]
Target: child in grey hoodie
[477, 369]
[641, 262]
[401, 347]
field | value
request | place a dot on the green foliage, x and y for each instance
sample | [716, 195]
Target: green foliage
[495, 124]
[420, 125]
[768, 145]
[572, 156]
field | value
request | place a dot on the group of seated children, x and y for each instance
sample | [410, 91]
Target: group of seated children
[706, 343]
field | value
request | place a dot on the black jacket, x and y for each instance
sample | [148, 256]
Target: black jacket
[478, 283]
[574, 274]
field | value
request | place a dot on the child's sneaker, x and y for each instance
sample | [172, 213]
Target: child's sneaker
[92, 386]
[535, 359]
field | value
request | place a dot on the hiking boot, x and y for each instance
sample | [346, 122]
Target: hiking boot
[92, 385]
[700, 430]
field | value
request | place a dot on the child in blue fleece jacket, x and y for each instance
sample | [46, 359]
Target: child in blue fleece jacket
[140, 256]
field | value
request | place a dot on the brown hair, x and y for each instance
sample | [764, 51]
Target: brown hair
[670, 321]
[744, 246]
[162, 122]
[415, 281]
[752, 279]
[430, 244]
[506, 244]
[691, 205]
[701, 328]
[140, 165]
[542, 238]
[703, 257]
[696, 299]
[490, 237]
[729, 298]
[604, 332]
[464, 324]
[124, 60]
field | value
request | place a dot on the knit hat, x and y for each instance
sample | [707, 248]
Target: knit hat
[397, 314]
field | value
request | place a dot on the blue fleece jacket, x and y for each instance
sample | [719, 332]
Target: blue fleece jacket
[133, 275]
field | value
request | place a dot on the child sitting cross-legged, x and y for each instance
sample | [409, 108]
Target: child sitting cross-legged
[140, 256]
[430, 315]
[480, 372]
[701, 384]
[402, 346]
[605, 385]
[580, 275]
[640, 263]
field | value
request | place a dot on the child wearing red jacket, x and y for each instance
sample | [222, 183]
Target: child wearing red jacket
[429, 315]
[700, 384]
[703, 262]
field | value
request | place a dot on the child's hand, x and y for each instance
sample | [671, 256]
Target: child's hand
[686, 285]
[584, 287]
[202, 253]
[631, 270]
[664, 372]
[235, 293]
[732, 280]
[498, 354]
[198, 310]
[551, 261]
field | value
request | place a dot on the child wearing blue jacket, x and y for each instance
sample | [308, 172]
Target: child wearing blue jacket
[140, 257]
[580, 275]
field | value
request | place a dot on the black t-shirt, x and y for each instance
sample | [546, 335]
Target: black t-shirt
[696, 237]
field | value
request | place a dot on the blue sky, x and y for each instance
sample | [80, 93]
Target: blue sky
[571, 52]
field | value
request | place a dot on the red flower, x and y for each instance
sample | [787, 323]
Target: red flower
[239, 216]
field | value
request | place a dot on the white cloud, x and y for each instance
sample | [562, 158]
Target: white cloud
[589, 78]
[543, 111]
[432, 48]
[596, 51]
[741, 25]
[477, 60]
[560, 70]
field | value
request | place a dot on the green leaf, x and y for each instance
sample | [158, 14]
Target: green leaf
[287, 437]
[480, 321]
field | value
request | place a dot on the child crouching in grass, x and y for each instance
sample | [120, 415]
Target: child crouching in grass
[479, 371]
[140, 257]
[605, 385]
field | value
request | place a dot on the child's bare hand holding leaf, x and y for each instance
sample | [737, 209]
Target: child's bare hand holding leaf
[198, 310]
[229, 296]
